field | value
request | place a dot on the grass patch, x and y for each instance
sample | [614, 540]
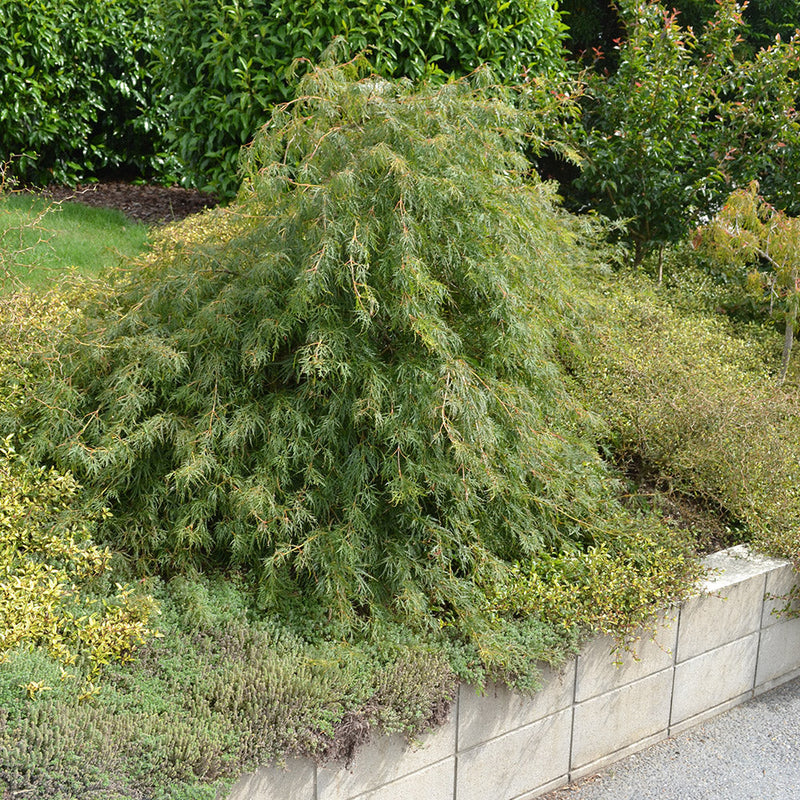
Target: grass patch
[41, 241]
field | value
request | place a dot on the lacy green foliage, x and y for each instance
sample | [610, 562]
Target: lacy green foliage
[76, 95]
[211, 699]
[699, 407]
[682, 120]
[225, 64]
[356, 393]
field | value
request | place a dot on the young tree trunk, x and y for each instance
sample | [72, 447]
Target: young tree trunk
[639, 253]
[788, 339]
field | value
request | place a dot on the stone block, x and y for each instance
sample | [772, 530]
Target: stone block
[432, 783]
[779, 652]
[709, 621]
[779, 583]
[776, 682]
[520, 762]
[600, 669]
[735, 565]
[621, 717]
[498, 711]
[295, 780]
[383, 760]
[712, 678]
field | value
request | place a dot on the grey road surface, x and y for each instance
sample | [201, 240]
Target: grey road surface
[751, 752]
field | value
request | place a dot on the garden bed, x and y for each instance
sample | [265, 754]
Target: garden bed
[150, 204]
[717, 649]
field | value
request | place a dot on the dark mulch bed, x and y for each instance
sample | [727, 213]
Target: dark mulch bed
[152, 205]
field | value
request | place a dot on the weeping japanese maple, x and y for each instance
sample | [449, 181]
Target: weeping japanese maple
[349, 381]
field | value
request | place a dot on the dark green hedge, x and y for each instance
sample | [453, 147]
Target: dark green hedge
[76, 96]
[226, 62]
[94, 85]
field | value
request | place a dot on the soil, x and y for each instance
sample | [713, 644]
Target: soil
[708, 523]
[149, 204]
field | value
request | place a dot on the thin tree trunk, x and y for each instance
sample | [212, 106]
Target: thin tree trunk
[638, 253]
[788, 339]
[660, 264]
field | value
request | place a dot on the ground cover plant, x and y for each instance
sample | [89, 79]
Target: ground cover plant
[695, 410]
[346, 397]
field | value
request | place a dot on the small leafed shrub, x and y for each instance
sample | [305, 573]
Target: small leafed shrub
[701, 409]
[54, 591]
[50, 589]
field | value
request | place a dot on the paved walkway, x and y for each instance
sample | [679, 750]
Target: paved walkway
[751, 752]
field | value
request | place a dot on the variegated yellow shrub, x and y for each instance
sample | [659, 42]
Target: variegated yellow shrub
[51, 573]
[55, 583]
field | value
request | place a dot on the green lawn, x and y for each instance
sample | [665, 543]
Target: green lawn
[40, 241]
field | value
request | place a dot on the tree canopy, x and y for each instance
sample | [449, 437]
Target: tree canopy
[683, 120]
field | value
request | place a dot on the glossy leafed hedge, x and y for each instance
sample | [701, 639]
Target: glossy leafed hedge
[172, 89]
[76, 92]
[225, 64]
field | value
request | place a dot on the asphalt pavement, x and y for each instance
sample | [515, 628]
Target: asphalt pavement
[751, 752]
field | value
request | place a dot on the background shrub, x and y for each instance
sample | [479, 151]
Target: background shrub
[76, 93]
[701, 410]
[225, 64]
[123, 87]
[597, 23]
[683, 120]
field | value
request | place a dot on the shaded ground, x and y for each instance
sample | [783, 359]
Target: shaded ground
[711, 527]
[152, 205]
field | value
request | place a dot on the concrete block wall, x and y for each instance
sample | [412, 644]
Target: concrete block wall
[717, 649]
